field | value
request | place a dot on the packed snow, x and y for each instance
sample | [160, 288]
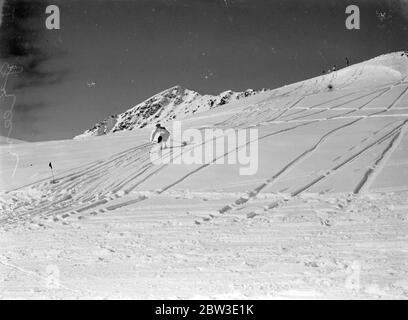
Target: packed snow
[325, 215]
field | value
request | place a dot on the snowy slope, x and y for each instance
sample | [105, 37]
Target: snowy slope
[316, 135]
[173, 103]
[328, 202]
[367, 103]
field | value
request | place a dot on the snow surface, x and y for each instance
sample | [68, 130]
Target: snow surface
[325, 216]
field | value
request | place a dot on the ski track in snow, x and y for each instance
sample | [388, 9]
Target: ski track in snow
[93, 187]
[317, 234]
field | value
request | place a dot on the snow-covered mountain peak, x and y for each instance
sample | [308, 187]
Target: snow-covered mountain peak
[176, 102]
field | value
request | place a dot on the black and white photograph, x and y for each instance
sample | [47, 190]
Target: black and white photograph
[203, 150]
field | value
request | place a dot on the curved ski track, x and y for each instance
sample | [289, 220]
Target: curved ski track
[106, 185]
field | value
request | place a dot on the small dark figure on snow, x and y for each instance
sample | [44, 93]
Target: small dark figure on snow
[160, 135]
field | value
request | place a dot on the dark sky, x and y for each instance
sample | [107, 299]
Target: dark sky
[131, 50]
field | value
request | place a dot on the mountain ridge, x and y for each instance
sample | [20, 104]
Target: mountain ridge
[173, 103]
[179, 103]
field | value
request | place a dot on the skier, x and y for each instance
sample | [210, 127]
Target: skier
[334, 68]
[347, 62]
[162, 136]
